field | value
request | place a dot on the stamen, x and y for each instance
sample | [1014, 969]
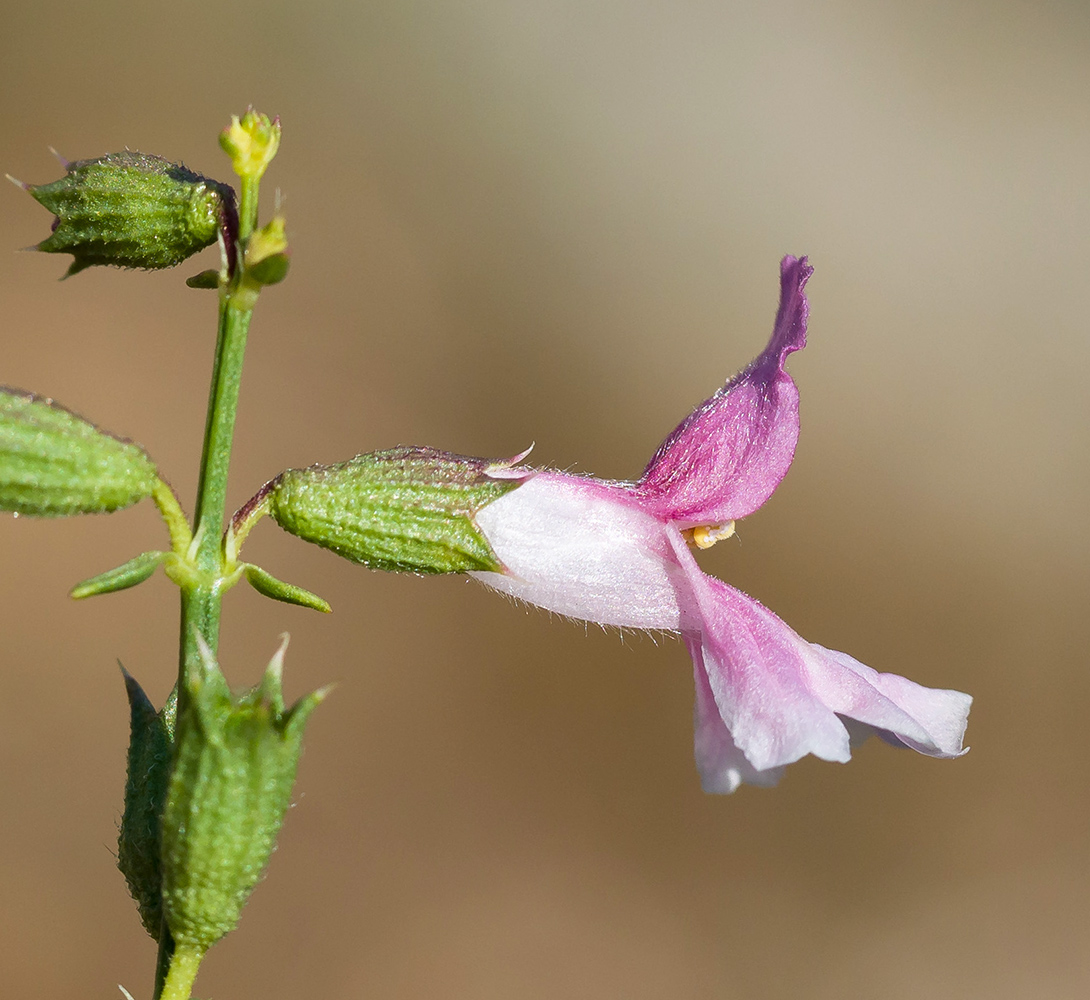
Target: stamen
[706, 535]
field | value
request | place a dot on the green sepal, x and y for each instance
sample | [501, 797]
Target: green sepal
[54, 463]
[131, 209]
[138, 842]
[205, 279]
[266, 257]
[265, 583]
[404, 510]
[135, 571]
[234, 767]
[270, 270]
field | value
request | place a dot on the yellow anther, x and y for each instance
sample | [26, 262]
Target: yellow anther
[706, 535]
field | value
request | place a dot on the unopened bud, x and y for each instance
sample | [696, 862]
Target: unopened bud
[134, 210]
[251, 141]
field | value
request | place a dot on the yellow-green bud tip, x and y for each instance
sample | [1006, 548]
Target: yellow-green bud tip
[251, 141]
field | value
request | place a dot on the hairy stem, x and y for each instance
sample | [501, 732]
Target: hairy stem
[201, 602]
[183, 970]
[203, 591]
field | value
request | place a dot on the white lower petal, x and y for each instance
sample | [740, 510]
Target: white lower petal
[583, 548]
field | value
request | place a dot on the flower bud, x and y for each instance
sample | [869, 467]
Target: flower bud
[53, 463]
[251, 141]
[234, 765]
[407, 509]
[134, 210]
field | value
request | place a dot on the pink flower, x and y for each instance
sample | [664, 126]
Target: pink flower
[616, 553]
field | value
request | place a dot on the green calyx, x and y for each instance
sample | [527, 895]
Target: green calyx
[403, 510]
[54, 463]
[235, 758]
[138, 842]
[132, 209]
[208, 785]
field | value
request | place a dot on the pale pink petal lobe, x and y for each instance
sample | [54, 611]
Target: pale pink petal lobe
[780, 697]
[755, 666]
[929, 720]
[757, 671]
[722, 766]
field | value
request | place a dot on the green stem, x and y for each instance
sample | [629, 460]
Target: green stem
[247, 208]
[183, 971]
[201, 601]
[219, 429]
[202, 594]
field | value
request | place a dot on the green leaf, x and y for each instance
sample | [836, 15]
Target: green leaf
[135, 571]
[54, 463]
[265, 583]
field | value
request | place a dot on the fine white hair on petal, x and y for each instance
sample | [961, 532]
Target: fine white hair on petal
[583, 548]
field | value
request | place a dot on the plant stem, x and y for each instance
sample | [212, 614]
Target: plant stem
[183, 970]
[247, 207]
[202, 590]
[173, 517]
[201, 602]
[176, 970]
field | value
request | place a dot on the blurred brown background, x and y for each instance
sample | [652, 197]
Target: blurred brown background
[560, 222]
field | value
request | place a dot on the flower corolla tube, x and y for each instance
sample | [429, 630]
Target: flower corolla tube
[618, 554]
